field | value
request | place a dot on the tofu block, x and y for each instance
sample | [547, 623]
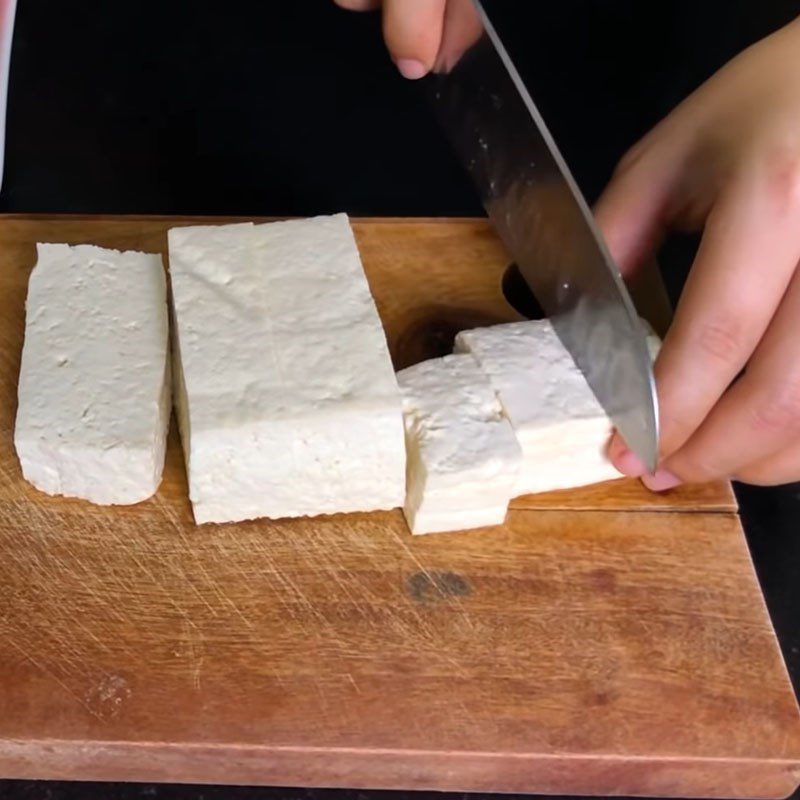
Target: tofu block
[94, 383]
[561, 427]
[463, 456]
[287, 400]
[652, 339]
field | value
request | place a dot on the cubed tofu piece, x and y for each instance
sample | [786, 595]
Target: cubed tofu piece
[286, 396]
[94, 389]
[463, 457]
[561, 427]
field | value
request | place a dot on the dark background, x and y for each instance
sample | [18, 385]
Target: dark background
[293, 108]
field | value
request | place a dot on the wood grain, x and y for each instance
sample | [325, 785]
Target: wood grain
[598, 642]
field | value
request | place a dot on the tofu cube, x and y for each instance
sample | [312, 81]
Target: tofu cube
[94, 388]
[463, 457]
[561, 427]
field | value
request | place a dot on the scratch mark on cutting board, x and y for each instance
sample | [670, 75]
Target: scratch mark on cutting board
[212, 584]
[104, 647]
[52, 675]
[353, 681]
[168, 596]
[68, 654]
[285, 581]
[322, 695]
[223, 597]
[195, 645]
[189, 549]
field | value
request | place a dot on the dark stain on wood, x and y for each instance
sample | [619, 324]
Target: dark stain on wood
[428, 588]
[603, 580]
[433, 332]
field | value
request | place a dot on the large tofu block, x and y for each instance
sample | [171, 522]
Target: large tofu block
[94, 390]
[561, 427]
[463, 457]
[286, 396]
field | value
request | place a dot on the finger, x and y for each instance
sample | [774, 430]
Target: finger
[756, 417]
[624, 459]
[358, 5]
[632, 211]
[783, 467]
[413, 32]
[748, 253]
[649, 294]
[462, 28]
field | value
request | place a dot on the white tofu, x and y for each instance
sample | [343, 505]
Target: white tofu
[652, 339]
[561, 427]
[94, 390]
[287, 400]
[463, 457]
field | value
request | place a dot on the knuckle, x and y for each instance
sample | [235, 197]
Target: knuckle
[676, 430]
[722, 340]
[694, 468]
[755, 476]
[780, 410]
[629, 159]
[782, 175]
[763, 473]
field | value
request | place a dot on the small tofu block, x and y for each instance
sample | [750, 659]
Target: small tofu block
[94, 389]
[286, 396]
[463, 457]
[561, 427]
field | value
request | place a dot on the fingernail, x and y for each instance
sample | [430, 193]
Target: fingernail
[625, 460]
[411, 68]
[661, 480]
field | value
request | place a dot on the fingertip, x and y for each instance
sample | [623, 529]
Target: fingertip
[662, 480]
[616, 446]
[411, 68]
[412, 30]
[624, 459]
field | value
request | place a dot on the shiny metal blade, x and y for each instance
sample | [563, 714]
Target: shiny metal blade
[538, 211]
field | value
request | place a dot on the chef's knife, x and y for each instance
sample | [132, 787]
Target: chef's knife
[538, 211]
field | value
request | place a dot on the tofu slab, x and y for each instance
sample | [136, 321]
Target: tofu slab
[94, 389]
[286, 396]
[463, 457]
[561, 427]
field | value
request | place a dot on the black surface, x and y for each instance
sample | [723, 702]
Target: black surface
[263, 107]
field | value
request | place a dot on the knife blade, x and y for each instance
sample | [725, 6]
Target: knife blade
[538, 211]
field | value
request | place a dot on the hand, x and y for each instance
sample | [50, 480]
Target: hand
[727, 160]
[423, 35]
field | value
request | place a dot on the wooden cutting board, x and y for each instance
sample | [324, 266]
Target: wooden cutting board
[603, 641]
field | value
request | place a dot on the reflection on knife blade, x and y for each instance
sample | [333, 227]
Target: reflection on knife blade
[539, 213]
